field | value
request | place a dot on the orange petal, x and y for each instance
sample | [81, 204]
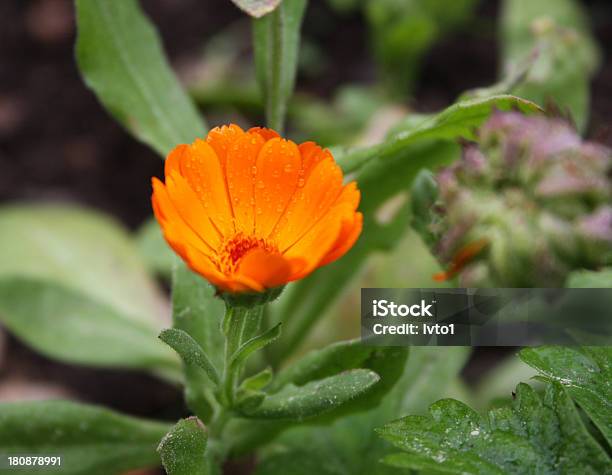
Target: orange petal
[317, 242]
[221, 139]
[203, 172]
[349, 233]
[309, 203]
[267, 134]
[174, 159]
[191, 210]
[267, 269]
[200, 264]
[349, 195]
[171, 221]
[278, 165]
[312, 154]
[241, 170]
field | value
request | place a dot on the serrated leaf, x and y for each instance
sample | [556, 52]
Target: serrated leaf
[585, 279]
[276, 44]
[121, 59]
[182, 449]
[567, 55]
[189, 350]
[316, 397]
[585, 372]
[536, 434]
[91, 440]
[257, 8]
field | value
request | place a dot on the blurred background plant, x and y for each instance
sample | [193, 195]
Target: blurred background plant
[83, 278]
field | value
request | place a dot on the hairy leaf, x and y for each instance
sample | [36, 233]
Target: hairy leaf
[121, 59]
[189, 350]
[90, 440]
[276, 43]
[536, 434]
[254, 344]
[317, 397]
[585, 372]
[387, 362]
[182, 449]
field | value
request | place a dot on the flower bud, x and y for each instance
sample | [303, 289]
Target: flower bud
[522, 208]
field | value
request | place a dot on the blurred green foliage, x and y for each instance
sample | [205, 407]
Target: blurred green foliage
[403, 31]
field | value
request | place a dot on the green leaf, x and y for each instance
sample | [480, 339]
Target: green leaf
[257, 8]
[457, 121]
[154, 250]
[387, 362]
[63, 324]
[323, 363]
[189, 350]
[64, 268]
[254, 344]
[258, 380]
[197, 312]
[349, 446]
[90, 440]
[536, 434]
[83, 250]
[585, 279]
[182, 449]
[121, 59]
[567, 55]
[276, 43]
[585, 372]
[317, 397]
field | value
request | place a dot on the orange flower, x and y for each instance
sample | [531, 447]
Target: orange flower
[251, 211]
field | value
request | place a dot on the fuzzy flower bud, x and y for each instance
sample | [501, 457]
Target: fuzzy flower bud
[527, 205]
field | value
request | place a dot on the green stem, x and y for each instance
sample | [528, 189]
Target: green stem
[239, 325]
[275, 100]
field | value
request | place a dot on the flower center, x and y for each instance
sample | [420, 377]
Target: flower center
[237, 247]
